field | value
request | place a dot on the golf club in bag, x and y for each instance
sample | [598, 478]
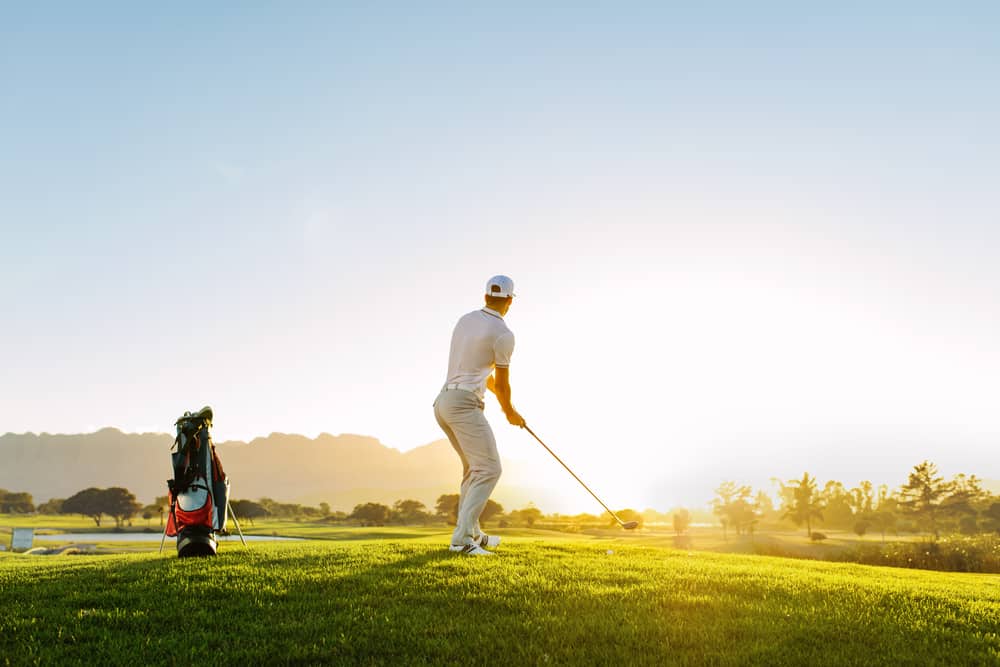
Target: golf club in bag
[199, 490]
[627, 525]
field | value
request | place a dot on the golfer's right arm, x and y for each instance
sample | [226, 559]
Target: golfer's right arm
[501, 387]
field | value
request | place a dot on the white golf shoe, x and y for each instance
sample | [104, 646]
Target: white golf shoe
[469, 550]
[488, 541]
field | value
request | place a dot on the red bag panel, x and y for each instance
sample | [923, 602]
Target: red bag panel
[180, 519]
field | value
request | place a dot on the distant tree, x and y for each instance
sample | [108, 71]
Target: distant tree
[288, 510]
[447, 507]
[528, 516]
[884, 495]
[51, 506]
[309, 512]
[324, 509]
[805, 503]
[786, 496]
[491, 510]
[743, 514]
[12, 502]
[682, 521]
[965, 500]
[764, 506]
[883, 519]
[734, 508]
[272, 506]
[992, 516]
[371, 514]
[862, 502]
[862, 498]
[120, 504]
[148, 512]
[725, 496]
[746, 513]
[282, 510]
[162, 505]
[837, 505]
[87, 502]
[885, 513]
[247, 509]
[410, 511]
[922, 496]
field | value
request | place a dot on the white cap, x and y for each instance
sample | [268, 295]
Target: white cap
[500, 286]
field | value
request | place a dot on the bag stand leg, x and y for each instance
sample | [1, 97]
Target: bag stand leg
[235, 521]
[165, 524]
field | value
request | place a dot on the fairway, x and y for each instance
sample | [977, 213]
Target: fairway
[408, 601]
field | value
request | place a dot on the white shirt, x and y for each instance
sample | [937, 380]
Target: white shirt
[480, 342]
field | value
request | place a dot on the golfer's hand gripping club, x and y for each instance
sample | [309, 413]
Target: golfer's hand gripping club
[515, 418]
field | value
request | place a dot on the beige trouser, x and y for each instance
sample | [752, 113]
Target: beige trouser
[460, 415]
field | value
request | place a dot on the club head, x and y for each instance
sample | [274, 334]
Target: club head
[630, 525]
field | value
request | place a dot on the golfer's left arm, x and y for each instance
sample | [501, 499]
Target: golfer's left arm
[499, 381]
[501, 387]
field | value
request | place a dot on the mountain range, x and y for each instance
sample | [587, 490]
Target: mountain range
[342, 470]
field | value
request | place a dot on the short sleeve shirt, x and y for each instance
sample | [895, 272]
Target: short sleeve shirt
[480, 342]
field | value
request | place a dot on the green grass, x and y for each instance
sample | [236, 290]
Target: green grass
[542, 600]
[59, 522]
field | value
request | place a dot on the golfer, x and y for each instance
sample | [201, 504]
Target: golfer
[480, 343]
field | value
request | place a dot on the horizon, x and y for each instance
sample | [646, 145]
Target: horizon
[746, 241]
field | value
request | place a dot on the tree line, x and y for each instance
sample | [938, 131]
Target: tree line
[402, 512]
[122, 506]
[116, 502]
[926, 503]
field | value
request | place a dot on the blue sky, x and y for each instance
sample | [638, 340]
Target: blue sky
[728, 224]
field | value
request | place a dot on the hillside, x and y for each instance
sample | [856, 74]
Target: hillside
[342, 470]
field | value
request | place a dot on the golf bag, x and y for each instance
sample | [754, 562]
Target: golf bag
[199, 491]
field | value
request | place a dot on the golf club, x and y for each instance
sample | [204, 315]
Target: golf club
[627, 525]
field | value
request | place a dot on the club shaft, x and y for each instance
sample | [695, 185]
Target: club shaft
[608, 509]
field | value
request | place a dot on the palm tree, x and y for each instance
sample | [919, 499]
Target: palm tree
[725, 495]
[923, 495]
[806, 502]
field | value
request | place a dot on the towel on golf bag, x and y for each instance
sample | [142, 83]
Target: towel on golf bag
[199, 490]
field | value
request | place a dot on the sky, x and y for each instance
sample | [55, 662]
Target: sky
[747, 241]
